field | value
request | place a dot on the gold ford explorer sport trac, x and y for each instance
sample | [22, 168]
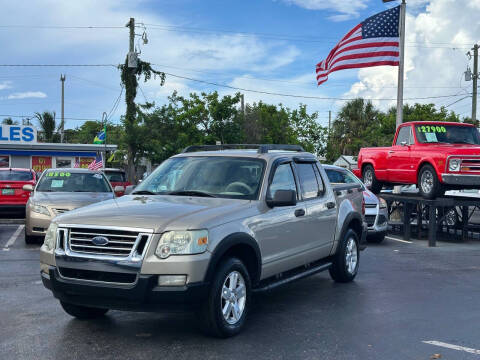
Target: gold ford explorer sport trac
[206, 229]
[59, 191]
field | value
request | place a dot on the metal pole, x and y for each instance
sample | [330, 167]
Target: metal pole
[131, 25]
[62, 79]
[401, 67]
[104, 122]
[475, 80]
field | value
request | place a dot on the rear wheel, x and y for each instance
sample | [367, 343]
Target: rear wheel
[370, 179]
[346, 260]
[83, 312]
[223, 313]
[428, 183]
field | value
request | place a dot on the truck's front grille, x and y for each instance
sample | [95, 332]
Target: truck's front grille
[370, 219]
[111, 277]
[472, 165]
[109, 242]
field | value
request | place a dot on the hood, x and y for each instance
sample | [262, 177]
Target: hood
[69, 200]
[370, 198]
[159, 212]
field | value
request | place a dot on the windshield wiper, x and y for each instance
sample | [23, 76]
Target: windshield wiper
[144, 192]
[190, 193]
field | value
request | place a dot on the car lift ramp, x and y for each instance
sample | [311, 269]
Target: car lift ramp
[421, 211]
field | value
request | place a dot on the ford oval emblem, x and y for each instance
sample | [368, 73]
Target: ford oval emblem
[100, 240]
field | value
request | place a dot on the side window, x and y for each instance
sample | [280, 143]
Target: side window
[321, 186]
[282, 180]
[308, 180]
[403, 135]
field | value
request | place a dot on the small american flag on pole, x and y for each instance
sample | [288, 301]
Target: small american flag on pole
[373, 42]
[96, 164]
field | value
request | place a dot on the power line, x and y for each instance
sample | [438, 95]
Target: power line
[301, 96]
[466, 97]
[58, 65]
[58, 27]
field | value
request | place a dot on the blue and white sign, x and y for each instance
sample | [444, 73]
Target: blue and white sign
[18, 134]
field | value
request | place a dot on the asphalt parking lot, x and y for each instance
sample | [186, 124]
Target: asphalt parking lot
[408, 302]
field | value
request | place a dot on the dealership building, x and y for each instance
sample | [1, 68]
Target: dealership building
[19, 149]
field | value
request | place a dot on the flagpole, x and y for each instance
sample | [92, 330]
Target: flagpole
[403, 8]
[104, 121]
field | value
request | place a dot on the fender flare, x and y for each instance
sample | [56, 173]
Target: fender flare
[353, 216]
[238, 238]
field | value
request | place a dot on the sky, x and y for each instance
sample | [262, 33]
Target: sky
[264, 45]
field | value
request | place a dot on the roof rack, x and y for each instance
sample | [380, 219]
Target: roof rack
[261, 148]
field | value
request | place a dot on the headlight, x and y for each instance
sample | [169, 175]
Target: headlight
[51, 237]
[383, 203]
[454, 164]
[39, 209]
[182, 243]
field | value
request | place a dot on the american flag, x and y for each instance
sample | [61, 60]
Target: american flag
[373, 42]
[96, 164]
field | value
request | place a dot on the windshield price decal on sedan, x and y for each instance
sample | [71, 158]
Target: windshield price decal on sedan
[430, 129]
[61, 174]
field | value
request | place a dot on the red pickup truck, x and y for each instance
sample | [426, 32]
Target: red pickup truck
[436, 156]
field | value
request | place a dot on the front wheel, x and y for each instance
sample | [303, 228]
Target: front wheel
[223, 313]
[82, 312]
[428, 183]
[346, 260]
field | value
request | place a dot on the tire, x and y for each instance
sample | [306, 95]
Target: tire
[376, 238]
[451, 217]
[211, 313]
[370, 180]
[29, 239]
[428, 184]
[83, 312]
[343, 270]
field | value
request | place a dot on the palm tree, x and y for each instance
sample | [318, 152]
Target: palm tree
[48, 125]
[9, 121]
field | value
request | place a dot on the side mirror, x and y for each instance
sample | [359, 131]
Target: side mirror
[27, 187]
[119, 189]
[283, 198]
[129, 189]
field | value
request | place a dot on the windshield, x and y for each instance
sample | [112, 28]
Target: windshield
[450, 134]
[65, 181]
[228, 177]
[115, 176]
[15, 175]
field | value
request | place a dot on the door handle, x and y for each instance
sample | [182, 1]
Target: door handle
[299, 212]
[330, 205]
[391, 151]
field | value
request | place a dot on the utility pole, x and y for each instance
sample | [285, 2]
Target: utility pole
[242, 104]
[130, 92]
[62, 130]
[329, 122]
[475, 79]
[401, 67]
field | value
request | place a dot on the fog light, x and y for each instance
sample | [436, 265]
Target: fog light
[172, 280]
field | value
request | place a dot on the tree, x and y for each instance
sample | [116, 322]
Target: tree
[9, 121]
[48, 126]
[130, 122]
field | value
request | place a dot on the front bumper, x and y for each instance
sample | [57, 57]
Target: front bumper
[461, 180]
[143, 295]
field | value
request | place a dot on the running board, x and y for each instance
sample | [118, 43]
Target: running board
[292, 275]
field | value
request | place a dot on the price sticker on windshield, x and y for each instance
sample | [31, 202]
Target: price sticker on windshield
[58, 174]
[432, 129]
